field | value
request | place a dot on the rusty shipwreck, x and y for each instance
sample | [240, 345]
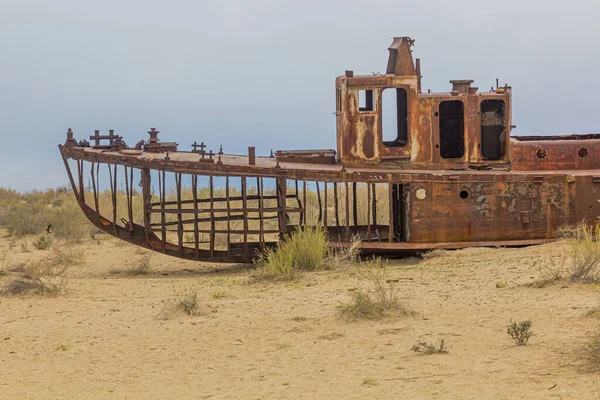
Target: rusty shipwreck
[442, 173]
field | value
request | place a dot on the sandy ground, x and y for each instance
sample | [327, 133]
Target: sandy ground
[284, 340]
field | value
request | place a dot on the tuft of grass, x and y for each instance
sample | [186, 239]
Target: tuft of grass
[142, 265]
[304, 250]
[520, 331]
[25, 247]
[187, 301]
[43, 242]
[4, 261]
[430, 348]
[591, 353]
[62, 347]
[581, 262]
[435, 253]
[219, 295]
[369, 381]
[383, 296]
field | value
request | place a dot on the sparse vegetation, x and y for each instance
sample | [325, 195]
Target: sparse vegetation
[427, 348]
[581, 263]
[304, 250]
[219, 295]
[4, 261]
[42, 277]
[383, 296]
[520, 331]
[43, 242]
[187, 301]
[369, 381]
[139, 266]
[591, 353]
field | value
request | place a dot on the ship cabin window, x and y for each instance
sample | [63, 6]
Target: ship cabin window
[365, 100]
[493, 129]
[452, 129]
[338, 99]
[394, 117]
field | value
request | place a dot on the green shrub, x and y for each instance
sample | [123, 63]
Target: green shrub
[187, 302]
[26, 219]
[43, 242]
[591, 353]
[383, 296]
[304, 250]
[429, 348]
[585, 254]
[69, 222]
[520, 332]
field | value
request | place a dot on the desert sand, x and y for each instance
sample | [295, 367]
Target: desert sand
[108, 336]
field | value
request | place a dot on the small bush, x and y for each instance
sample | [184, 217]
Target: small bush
[69, 222]
[187, 302]
[580, 263]
[585, 253]
[429, 348]
[591, 353]
[304, 250]
[375, 303]
[26, 219]
[38, 278]
[4, 261]
[520, 332]
[43, 242]
[142, 266]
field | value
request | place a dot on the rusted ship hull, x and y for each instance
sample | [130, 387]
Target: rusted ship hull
[429, 209]
[449, 176]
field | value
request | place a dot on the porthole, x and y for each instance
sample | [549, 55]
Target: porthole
[464, 194]
[583, 152]
[541, 153]
[421, 193]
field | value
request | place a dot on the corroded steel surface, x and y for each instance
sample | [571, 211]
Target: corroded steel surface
[450, 176]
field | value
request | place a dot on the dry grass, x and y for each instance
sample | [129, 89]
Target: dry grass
[305, 249]
[520, 331]
[591, 353]
[580, 264]
[138, 267]
[375, 303]
[430, 348]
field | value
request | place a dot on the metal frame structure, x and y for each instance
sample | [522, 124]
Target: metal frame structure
[452, 177]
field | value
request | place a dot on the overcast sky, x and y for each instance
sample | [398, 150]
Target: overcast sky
[249, 72]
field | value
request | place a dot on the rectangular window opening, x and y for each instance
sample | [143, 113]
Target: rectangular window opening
[365, 100]
[493, 129]
[394, 117]
[452, 129]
